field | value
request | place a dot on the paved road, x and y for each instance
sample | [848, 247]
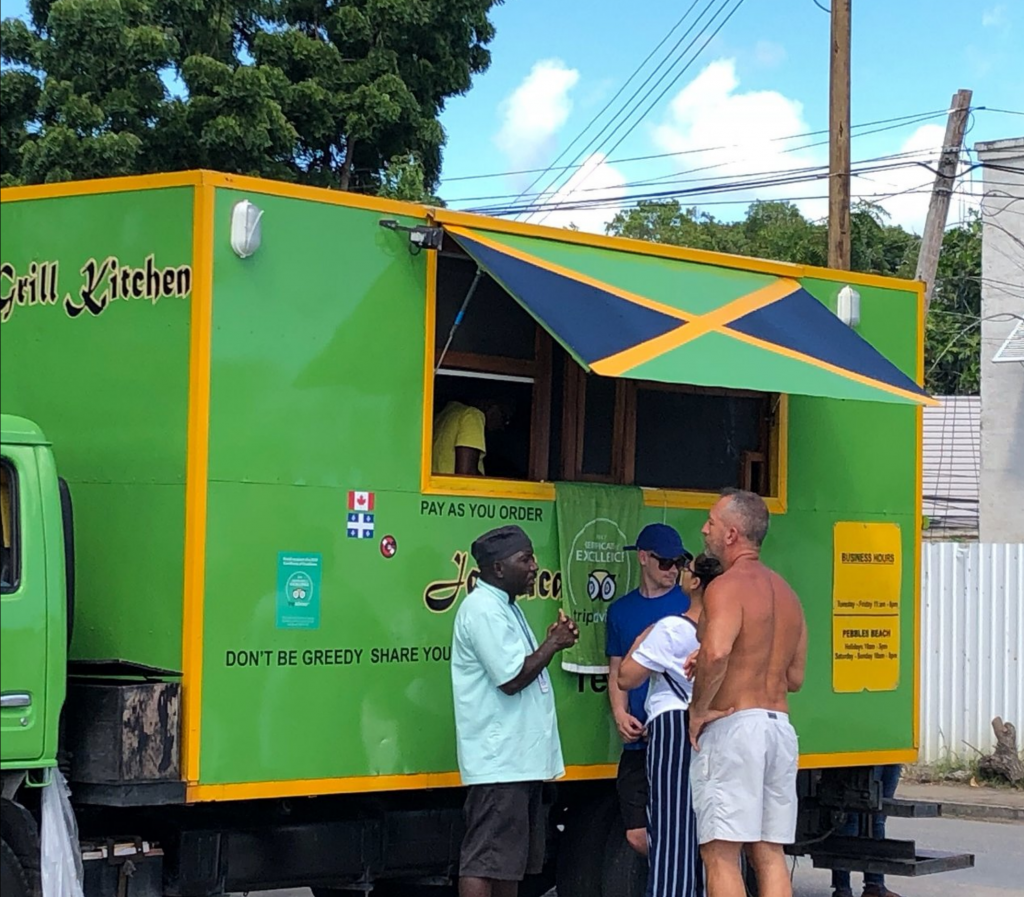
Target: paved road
[999, 861]
[998, 850]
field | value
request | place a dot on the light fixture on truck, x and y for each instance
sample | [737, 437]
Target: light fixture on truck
[245, 228]
[848, 306]
[420, 237]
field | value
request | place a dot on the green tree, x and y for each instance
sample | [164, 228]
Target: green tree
[777, 230]
[952, 348]
[403, 179]
[323, 92]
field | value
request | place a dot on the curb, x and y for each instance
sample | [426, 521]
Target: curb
[980, 811]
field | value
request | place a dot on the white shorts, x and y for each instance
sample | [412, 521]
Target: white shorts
[743, 779]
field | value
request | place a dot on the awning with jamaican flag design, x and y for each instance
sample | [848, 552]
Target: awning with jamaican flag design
[622, 314]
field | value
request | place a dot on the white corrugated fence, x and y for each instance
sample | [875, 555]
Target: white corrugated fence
[972, 646]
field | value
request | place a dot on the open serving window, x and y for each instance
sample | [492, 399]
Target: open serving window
[591, 364]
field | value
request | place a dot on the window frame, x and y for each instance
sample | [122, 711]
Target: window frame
[542, 489]
[14, 515]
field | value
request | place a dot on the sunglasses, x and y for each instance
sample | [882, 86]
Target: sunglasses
[667, 564]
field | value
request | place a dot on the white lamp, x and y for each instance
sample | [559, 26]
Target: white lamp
[848, 306]
[245, 228]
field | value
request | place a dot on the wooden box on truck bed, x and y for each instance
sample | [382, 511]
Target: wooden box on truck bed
[230, 426]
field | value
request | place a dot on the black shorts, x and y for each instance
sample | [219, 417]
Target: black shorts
[631, 784]
[505, 831]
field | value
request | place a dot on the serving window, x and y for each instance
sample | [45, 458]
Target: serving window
[546, 419]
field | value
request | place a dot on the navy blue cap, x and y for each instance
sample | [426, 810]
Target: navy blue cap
[660, 539]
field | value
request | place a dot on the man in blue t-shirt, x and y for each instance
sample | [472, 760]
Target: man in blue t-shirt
[661, 555]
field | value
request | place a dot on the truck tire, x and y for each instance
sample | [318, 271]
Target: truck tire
[580, 867]
[14, 878]
[624, 872]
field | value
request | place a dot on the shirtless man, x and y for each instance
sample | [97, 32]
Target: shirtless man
[753, 650]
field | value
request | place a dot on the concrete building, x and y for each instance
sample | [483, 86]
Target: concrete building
[1002, 341]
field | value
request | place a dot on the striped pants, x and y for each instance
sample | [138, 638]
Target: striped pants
[675, 866]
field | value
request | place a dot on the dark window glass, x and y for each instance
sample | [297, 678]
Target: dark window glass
[690, 441]
[559, 360]
[493, 324]
[10, 552]
[598, 426]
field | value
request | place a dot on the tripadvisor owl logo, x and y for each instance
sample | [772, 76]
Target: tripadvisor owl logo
[598, 564]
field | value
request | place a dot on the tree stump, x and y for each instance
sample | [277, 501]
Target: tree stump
[1005, 761]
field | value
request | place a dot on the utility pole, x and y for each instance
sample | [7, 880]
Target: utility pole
[839, 138]
[942, 192]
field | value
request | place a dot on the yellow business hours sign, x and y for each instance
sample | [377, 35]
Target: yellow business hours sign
[866, 576]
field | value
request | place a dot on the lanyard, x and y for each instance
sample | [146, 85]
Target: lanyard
[542, 680]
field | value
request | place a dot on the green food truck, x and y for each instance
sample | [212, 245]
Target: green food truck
[231, 561]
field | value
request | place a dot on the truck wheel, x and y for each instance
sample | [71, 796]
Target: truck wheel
[580, 858]
[624, 872]
[14, 879]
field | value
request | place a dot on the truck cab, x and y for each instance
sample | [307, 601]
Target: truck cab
[34, 505]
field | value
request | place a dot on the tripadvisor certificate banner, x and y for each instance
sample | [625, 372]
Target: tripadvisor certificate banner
[595, 523]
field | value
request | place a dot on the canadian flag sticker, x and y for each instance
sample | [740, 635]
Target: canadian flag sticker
[360, 501]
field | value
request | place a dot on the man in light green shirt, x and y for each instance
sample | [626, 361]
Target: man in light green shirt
[505, 725]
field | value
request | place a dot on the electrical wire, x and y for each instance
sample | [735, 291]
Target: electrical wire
[618, 93]
[671, 83]
[901, 120]
[630, 106]
[683, 177]
[733, 186]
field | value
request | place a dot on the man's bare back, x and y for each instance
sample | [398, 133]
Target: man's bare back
[768, 655]
[753, 650]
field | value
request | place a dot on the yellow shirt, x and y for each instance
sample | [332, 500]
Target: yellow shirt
[457, 425]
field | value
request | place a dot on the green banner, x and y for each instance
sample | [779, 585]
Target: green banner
[595, 522]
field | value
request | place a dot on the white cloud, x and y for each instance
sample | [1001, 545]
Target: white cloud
[594, 182]
[769, 54]
[535, 111]
[728, 135]
[909, 189]
[721, 132]
[994, 17]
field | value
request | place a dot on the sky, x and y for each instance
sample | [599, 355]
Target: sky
[723, 106]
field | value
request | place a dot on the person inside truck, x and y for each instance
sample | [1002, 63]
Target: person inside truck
[506, 731]
[659, 655]
[661, 555]
[460, 436]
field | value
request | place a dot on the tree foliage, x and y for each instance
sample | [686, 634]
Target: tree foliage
[324, 92]
[778, 230]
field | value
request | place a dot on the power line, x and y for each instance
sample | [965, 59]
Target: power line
[674, 80]
[899, 120]
[735, 186]
[622, 202]
[628, 107]
[683, 177]
[608, 105]
[903, 121]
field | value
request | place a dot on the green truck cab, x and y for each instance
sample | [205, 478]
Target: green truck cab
[36, 587]
[236, 381]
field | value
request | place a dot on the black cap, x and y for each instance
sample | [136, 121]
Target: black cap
[499, 544]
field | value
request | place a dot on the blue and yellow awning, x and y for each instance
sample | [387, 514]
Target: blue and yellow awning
[647, 318]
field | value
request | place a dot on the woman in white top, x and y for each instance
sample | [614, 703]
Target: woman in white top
[659, 654]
